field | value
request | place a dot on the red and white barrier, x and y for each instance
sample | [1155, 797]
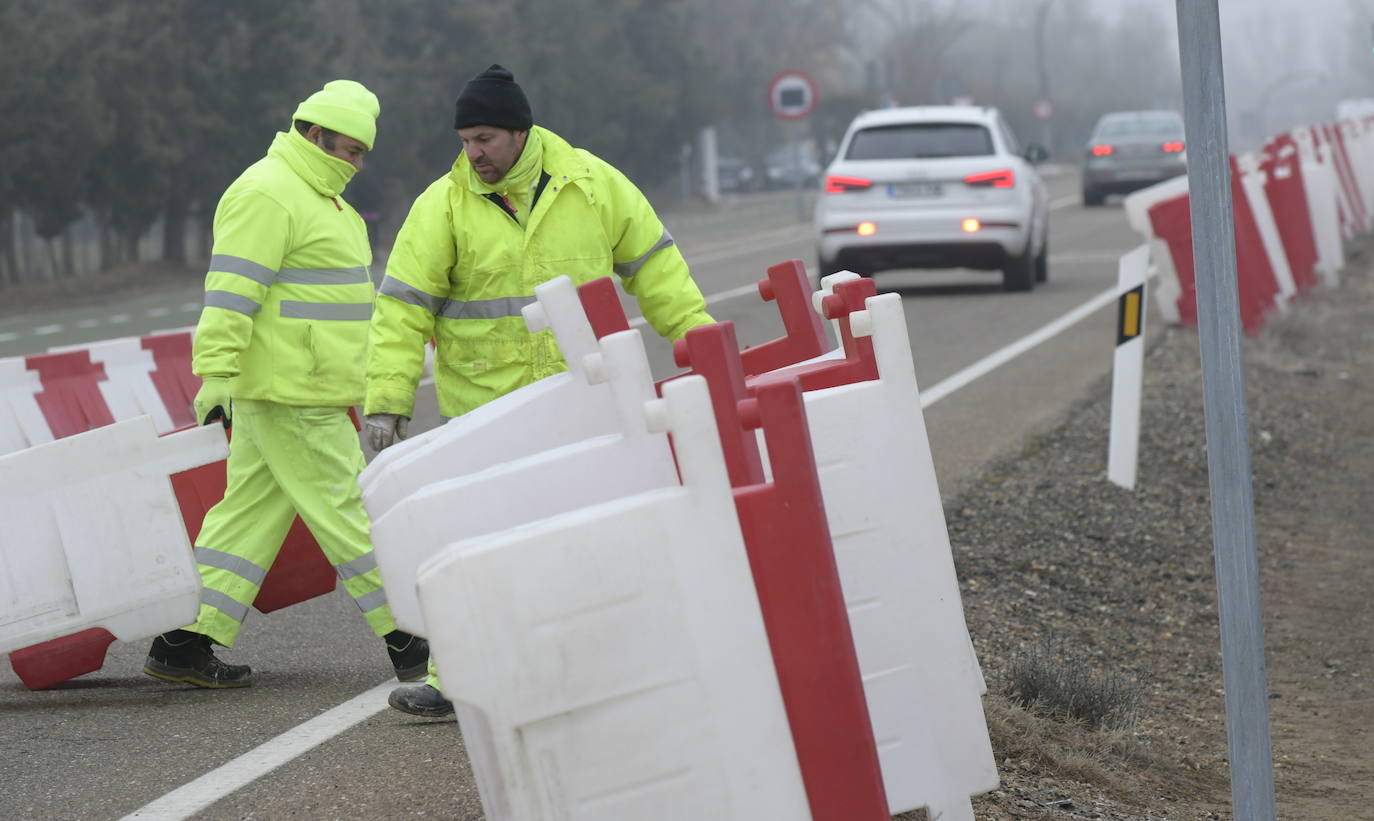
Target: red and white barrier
[92, 544]
[612, 662]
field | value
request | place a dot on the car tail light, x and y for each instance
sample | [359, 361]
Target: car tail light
[838, 183]
[1101, 150]
[1173, 146]
[866, 229]
[971, 226]
[1002, 178]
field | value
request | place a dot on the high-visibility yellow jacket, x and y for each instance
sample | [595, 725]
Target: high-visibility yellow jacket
[463, 266]
[288, 296]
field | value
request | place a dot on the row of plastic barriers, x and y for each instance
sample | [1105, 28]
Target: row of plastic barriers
[96, 543]
[729, 595]
[1295, 200]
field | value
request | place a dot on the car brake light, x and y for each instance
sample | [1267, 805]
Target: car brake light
[971, 226]
[866, 229]
[838, 183]
[1003, 178]
[1101, 150]
[1173, 146]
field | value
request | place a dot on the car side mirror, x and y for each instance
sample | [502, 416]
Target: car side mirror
[1036, 154]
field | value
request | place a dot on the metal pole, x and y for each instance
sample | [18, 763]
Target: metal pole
[1223, 377]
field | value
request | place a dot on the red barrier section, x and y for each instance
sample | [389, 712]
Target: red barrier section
[859, 363]
[1170, 220]
[1257, 284]
[1288, 200]
[175, 382]
[789, 286]
[1352, 207]
[70, 400]
[601, 302]
[53, 662]
[798, 584]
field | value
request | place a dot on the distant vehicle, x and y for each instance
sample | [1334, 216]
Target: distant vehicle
[1129, 150]
[784, 169]
[735, 175]
[935, 187]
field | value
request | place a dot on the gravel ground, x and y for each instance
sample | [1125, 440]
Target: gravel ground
[1113, 592]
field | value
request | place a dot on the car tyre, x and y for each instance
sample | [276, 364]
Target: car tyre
[1042, 261]
[1018, 272]
[1092, 196]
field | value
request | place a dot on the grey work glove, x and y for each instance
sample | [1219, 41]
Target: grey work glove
[385, 429]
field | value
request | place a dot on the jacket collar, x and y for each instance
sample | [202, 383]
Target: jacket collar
[327, 175]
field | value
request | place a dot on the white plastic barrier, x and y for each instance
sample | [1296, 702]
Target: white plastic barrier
[1319, 184]
[22, 423]
[128, 386]
[552, 412]
[611, 663]
[578, 474]
[921, 677]
[93, 535]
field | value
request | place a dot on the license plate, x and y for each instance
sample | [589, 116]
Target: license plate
[914, 189]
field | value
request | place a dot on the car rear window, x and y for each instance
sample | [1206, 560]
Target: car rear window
[920, 140]
[1142, 127]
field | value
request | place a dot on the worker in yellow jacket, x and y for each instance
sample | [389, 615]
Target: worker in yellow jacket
[280, 349]
[519, 207]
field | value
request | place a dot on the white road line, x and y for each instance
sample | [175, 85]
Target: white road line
[87, 323]
[988, 363]
[45, 330]
[189, 306]
[116, 319]
[8, 337]
[159, 311]
[1065, 202]
[191, 798]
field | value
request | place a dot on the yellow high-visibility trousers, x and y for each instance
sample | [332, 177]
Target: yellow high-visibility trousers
[284, 461]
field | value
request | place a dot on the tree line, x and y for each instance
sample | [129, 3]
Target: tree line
[130, 117]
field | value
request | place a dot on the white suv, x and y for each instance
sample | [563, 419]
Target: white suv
[934, 187]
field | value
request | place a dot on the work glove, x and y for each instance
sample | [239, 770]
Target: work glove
[385, 429]
[212, 401]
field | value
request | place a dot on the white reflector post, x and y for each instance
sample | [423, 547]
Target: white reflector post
[1223, 389]
[1128, 367]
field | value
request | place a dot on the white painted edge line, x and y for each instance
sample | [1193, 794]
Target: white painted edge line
[1015, 349]
[194, 796]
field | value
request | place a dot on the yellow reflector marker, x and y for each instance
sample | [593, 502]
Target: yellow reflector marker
[866, 229]
[971, 225]
[1130, 317]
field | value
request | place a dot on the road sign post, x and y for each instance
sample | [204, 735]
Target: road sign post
[792, 96]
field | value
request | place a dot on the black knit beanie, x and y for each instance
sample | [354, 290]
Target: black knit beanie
[493, 98]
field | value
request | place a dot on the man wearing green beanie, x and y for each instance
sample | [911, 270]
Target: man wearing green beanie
[519, 207]
[280, 349]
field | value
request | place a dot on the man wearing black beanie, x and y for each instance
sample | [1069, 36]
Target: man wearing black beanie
[519, 207]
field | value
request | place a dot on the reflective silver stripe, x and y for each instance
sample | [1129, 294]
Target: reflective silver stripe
[237, 565]
[231, 301]
[224, 604]
[326, 310]
[363, 564]
[485, 308]
[260, 274]
[373, 600]
[410, 295]
[629, 269]
[324, 276]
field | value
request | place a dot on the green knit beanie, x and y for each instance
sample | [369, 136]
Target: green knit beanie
[343, 106]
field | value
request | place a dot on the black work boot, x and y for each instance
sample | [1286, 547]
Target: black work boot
[409, 655]
[181, 655]
[421, 700]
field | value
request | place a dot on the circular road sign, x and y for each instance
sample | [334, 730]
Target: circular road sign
[792, 95]
[1042, 108]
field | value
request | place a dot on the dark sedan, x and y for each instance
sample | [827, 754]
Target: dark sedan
[1129, 150]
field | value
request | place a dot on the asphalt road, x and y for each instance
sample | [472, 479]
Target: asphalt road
[112, 742]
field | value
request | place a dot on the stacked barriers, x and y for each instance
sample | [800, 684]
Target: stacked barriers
[68, 392]
[529, 575]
